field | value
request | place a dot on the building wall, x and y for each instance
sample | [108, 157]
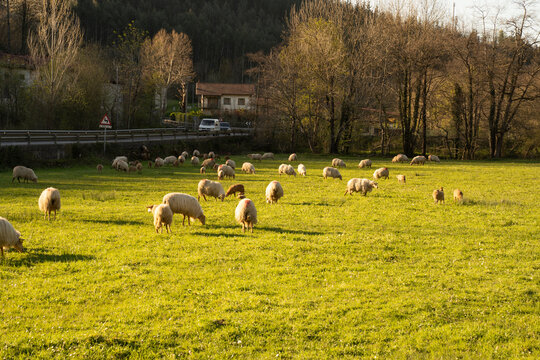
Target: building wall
[231, 102]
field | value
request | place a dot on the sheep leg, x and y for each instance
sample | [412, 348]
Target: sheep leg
[204, 200]
[54, 214]
[184, 221]
[243, 227]
[251, 227]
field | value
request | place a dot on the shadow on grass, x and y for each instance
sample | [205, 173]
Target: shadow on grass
[289, 231]
[204, 233]
[115, 222]
[38, 255]
[311, 203]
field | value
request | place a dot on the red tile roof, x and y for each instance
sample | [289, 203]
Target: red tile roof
[216, 89]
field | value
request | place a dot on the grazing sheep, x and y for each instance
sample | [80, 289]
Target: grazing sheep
[185, 154]
[196, 153]
[117, 159]
[186, 205]
[246, 214]
[418, 160]
[99, 168]
[360, 185]
[338, 163]
[438, 196]
[458, 195]
[293, 157]
[205, 156]
[139, 167]
[211, 154]
[210, 188]
[132, 168]
[208, 163]
[231, 163]
[181, 159]
[434, 158]
[255, 156]
[236, 188]
[49, 201]
[24, 173]
[225, 171]
[366, 163]
[9, 237]
[400, 158]
[159, 162]
[248, 168]
[194, 160]
[220, 174]
[302, 169]
[331, 172]
[169, 160]
[381, 173]
[163, 216]
[203, 170]
[121, 165]
[274, 192]
[267, 155]
[150, 164]
[401, 179]
[286, 169]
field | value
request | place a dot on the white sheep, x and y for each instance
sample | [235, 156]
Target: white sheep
[208, 163]
[434, 158]
[186, 205]
[400, 158]
[225, 171]
[24, 173]
[418, 160]
[286, 169]
[248, 168]
[267, 155]
[331, 172]
[121, 165]
[196, 153]
[9, 237]
[118, 158]
[302, 169]
[49, 201]
[163, 216]
[99, 167]
[401, 179]
[255, 156]
[210, 188]
[159, 162]
[194, 160]
[381, 173]
[211, 154]
[181, 159]
[170, 160]
[293, 157]
[246, 214]
[438, 196]
[366, 163]
[360, 185]
[231, 163]
[458, 195]
[338, 163]
[185, 154]
[274, 192]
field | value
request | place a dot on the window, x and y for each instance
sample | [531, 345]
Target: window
[226, 101]
[241, 101]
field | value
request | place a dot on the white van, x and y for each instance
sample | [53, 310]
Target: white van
[209, 125]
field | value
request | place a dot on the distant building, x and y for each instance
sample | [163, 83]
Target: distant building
[15, 69]
[225, 97]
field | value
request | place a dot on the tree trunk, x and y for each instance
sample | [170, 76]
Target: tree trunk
[424, 113]
[8, 27]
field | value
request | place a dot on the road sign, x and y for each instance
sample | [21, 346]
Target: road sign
[105, 122]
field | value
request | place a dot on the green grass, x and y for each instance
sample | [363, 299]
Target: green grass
[388, 276]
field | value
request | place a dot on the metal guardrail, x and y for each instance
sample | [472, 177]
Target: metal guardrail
[64, 137]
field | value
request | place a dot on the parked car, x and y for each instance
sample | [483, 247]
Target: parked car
[225, 127]
[211, 125]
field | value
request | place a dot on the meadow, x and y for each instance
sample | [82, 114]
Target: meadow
[389, 275]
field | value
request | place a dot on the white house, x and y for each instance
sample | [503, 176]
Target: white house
[226, 97]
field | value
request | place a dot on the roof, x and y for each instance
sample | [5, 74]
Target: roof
[217, 89]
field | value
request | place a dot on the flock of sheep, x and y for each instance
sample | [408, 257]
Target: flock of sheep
[189, 206]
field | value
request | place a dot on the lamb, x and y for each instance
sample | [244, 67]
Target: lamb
[267, 155]
[293, 157]
[186, 205]
[360, 185]
[169, 160]
[255, 156]
[401, 179]
[208, 163]
[139, 167]
[338, 163]
[185, 154]
[181, 159]
[231, 163]
[366, 163]
[225, 171]
[49, 201]
[99, 168]
[274, 192]
[24, 173]
[381, 173]
[149, 164]
[302, 169]
[438, 196]
[458, 195]
[246, 214]
[236, 188]
[248, 168]
[210, 188]
[400, 158]
[194, 160]
[163, 217]
[121, 165]
[211, 154]
[331, 172]
[434, 158]
[9, 237]
[286, 169]
[418, 160]
[196, 153]
[159, 162]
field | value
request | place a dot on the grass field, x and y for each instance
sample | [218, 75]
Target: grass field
[388, 276]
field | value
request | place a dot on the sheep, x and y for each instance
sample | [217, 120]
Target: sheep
[163, 217]
[231, 163]
[9, 237]
[267, 155]
[293, 157]
[400, 158]
[286, 169]
[401, 179]
[186, 205]
[49, 201]
[132, 168]
[248, 168]
[203, 170]
[149, 164]
[185, 154]
[418, 160]
[381, 173]
[210, 188]
[24, 173]
[366, 163]
[169, 160]
[196, 153]
[99, 167]
[302, 169]
[236, 188]
[274, 192]
[434, 158]
[331, 172]
[194, 160]
[139, 167]
[255, 156]
[338, 163]
[246, 214]
[208, 163]
[438, 196]
[159, 162]
[181, 159]
[225, 171]
[121, 165]
[458, 195]
[211, 154]
[360, 185]
[118, 158]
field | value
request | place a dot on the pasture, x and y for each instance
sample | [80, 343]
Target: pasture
[389, 275]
